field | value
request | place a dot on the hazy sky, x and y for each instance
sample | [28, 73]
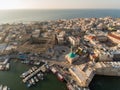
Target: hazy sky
[58, 4]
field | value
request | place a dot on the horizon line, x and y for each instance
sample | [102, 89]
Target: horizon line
[63, 9]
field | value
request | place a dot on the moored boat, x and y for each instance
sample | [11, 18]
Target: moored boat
[36, 79]
[1, 86]
[40, 76]
[53, 70]
[24, 74]
[60, 77]
[4, 88]
[33, 81]
[70, 87]
[29, 84]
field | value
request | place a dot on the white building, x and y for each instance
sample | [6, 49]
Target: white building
[74, 41]
[61, 38]
[36, 33]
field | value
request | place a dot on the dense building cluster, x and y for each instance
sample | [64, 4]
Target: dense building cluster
[81, 43]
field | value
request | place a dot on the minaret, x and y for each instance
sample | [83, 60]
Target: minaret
[71, 49]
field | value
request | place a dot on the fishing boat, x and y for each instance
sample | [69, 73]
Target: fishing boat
[60, 77]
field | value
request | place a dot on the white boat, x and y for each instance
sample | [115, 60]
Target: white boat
[33, 82]
[53, 70]
[29, 84]
[60, 77]
[36, 79]
[33, 68]
[36, 63]
[24, 74]
[40, 76]
[7, 66]
[1, 86]
[5, 88]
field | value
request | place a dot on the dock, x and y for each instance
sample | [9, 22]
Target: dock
[32, 74]
[84, 73]
[108, 68]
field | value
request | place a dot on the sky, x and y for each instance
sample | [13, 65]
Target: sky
[59, 4]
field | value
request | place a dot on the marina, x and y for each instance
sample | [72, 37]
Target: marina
[74, 50]
[50, 82]
[32, 76]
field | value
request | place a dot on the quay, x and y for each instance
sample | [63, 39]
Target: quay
[84, 73]
[108, 68]
[32, 74]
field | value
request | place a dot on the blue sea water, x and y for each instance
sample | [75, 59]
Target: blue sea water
[10, 16]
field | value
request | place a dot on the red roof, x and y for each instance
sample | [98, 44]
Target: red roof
[114, 36]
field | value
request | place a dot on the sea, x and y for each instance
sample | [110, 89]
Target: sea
[11, 16]
[11, 78]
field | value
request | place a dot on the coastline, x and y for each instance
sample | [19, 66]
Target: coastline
[17, 16]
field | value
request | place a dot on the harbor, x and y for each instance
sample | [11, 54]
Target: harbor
[72, 51]
[13, 75]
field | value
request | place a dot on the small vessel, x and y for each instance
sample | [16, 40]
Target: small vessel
[8, 89]
[86, 89]
[40, 76]
[70, 87]
[47, 66]
[36, 63]
[7, 66]
[24, 74]
[30, 70]
[60, 77]
[5, 88]
[53, 70]
[29, 84]
[1, 86]
[33, 82]
[36, 79]
[34, 68]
